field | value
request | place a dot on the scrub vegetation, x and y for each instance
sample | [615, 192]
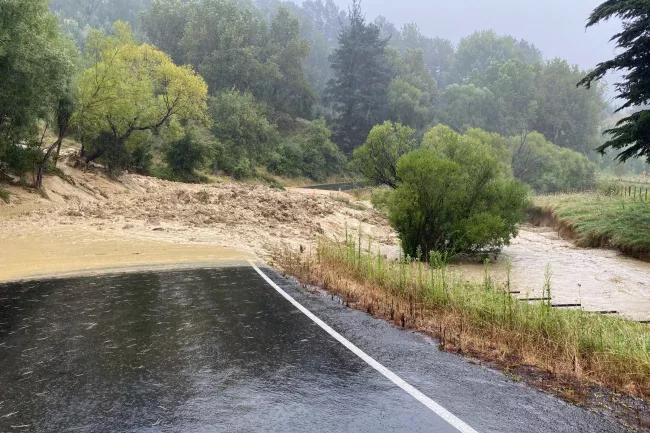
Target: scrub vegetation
[452, 193]
[480, 318]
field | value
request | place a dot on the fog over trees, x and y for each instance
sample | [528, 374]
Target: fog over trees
[549, 25]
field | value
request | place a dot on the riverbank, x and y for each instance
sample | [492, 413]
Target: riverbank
[597, 279]
[586, 358]
[598, 220]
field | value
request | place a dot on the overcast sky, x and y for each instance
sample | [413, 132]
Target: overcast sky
[556, 27]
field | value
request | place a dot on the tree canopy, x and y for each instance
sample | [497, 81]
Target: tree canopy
[233, 46]
[361, 77]
[631, 135]
[129, 89]
[270, 66]
[455, 195]
[36, 67]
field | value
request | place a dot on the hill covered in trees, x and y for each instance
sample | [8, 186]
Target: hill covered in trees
[178, 88]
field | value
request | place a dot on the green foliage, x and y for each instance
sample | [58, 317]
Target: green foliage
[483, 49]
[516, 97]
[549, 168]
[503, 86]
[410, 67]
[358, 90]
[22, 159]
[5, 195]
[246, 136]
[463, 106]
[98, 13]
[455, 197]
[232, 46]
[129, 90]
[291, 93]
[630, 135]
[411, 92]
[602, 218]
[377, 158]
[616, 349]
[189, 153]
[114, 154]
[164, 22]
[438, 53]
[35, 63]
[379, 199]
[406, 104]
[569, 116]
[312, 155]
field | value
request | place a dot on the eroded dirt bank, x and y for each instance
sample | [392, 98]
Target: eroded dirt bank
[90, 222]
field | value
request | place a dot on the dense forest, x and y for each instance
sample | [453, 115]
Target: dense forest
[180, 89]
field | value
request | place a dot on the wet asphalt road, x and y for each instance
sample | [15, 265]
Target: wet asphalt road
[219, 350]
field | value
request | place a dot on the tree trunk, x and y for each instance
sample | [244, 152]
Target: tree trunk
[93, 156]
[58, 151]
[41, 169]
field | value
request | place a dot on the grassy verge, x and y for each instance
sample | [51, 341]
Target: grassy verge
[481, 319]
[599, 219]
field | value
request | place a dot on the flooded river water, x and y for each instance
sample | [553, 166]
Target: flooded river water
[599, 279]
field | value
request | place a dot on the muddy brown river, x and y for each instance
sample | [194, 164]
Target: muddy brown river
[599, 279]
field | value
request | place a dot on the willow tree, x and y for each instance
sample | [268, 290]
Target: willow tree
[129, 89]
[631, 135]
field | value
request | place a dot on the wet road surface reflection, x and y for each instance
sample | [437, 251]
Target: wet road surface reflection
[187, 351]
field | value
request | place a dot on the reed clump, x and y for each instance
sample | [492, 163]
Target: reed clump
[479, 318]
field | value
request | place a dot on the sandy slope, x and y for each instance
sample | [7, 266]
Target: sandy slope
[89, 221]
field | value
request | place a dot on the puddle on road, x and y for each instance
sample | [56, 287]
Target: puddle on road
[601, 280]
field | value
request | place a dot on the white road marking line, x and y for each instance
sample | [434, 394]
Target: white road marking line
[443, 413]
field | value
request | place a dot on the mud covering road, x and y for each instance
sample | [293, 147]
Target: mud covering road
[219, 350]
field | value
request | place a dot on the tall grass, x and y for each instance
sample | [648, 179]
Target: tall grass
[480, 318]
[599, 219]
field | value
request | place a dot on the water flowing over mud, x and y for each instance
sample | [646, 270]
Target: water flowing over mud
[599, 279]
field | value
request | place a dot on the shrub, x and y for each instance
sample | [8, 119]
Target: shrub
[113, 151]
[455, 197]
[4, 195]
[313, 154]
[379, 199]
[241, 126]
[377, 158]
[550, 168]
[189, 153]
[243, 169]
[22, 159]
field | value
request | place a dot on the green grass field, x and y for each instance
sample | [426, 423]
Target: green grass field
[599, 219]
